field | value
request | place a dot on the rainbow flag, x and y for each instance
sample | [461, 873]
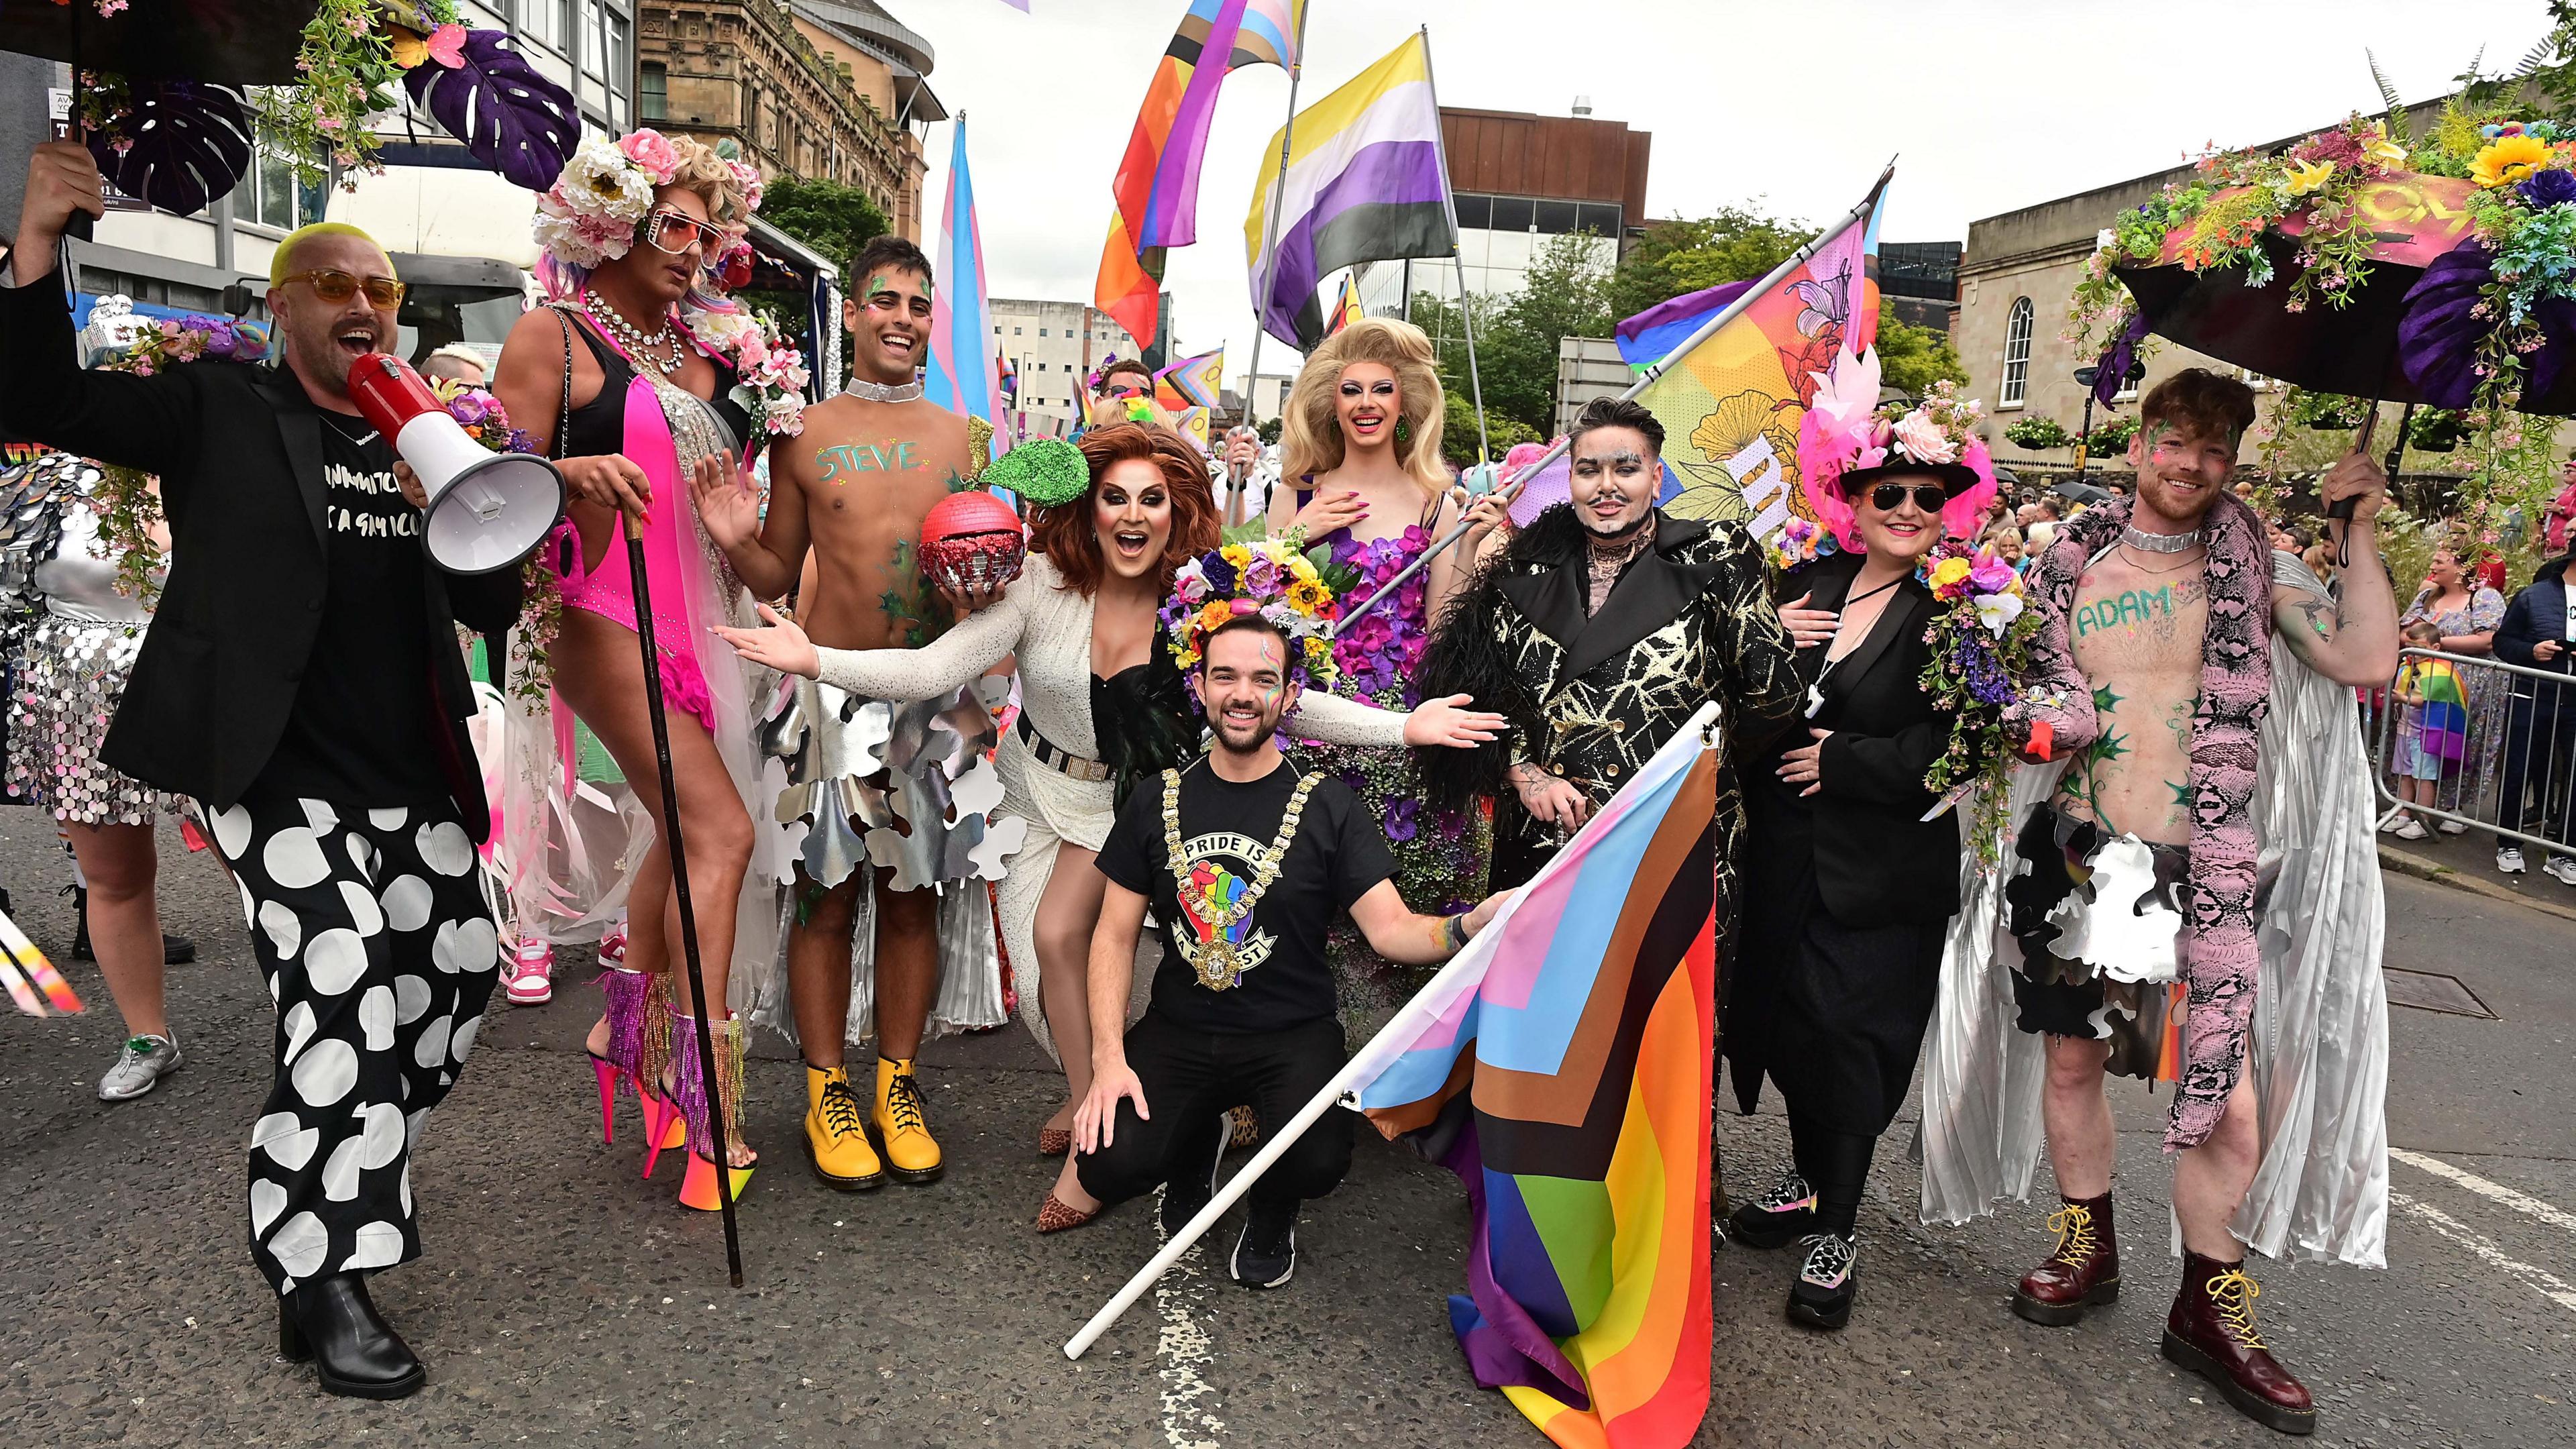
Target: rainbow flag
[1157, 187]
[960, 375]
[1366, 183]
[1192, 382]
[1346, 305]
[1731, 405]
[1564, 1075]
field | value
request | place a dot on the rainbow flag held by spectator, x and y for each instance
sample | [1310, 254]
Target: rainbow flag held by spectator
[1561, 1067]
[1192, 382]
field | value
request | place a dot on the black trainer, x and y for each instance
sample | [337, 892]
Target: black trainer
[1193, 1180]
[1822, 1296]
[1266, 1255]
[1777, 1218]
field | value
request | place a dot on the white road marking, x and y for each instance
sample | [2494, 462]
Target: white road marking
[2492, 1191]
[1183, 1347]
[2550, 1286]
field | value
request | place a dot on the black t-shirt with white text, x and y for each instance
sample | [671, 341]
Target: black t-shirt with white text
[360, 731]
[1339, 854]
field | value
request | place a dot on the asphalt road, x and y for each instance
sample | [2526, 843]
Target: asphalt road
[563, 1300]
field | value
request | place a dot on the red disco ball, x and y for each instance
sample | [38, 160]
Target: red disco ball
[972, 539]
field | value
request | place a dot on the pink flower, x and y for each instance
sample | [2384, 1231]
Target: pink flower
[1923, 439]
[1991, 574]
[652, 151]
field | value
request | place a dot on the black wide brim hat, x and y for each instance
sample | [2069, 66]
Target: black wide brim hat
[1956, 478]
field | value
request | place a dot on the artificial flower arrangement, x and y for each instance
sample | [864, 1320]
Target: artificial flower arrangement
[481, 415]
[770, 374]
[1846, 431]
[127, 505]
[1980, 644]
[1801, 542]
[1268, 577]
[2494, 313]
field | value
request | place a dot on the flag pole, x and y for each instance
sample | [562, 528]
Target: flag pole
[1407, 1025]
[1645, 379]
[1270, 223]
[1449, 203]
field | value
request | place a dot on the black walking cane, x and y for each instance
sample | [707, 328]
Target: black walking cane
[680, 883]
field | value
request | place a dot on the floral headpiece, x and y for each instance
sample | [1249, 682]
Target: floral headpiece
[590, 214]
[1264, 577]
[1846, 439]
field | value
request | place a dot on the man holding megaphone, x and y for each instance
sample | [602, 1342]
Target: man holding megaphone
[302, 683]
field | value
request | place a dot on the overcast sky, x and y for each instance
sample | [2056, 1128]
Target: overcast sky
[1791, 103]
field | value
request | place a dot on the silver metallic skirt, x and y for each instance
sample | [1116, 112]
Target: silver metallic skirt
[68, 682]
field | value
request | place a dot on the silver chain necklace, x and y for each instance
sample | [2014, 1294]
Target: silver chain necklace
[646, 347]
[902, 392]
[2145, 542]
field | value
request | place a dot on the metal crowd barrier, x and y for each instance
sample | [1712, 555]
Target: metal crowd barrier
[2520, 743]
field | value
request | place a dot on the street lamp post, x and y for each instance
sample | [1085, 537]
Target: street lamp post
[2084, 378]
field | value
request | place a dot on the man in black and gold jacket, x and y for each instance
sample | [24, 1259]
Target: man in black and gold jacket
[1598, 633]
[302, 682]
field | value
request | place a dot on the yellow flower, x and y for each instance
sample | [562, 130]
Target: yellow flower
[1215, 612]
[1307, 596]
[1299, 568]
[1235, 554]
[2508, 159]
[2311, 176]
[407, 48]
[2386, 152]
[1949, 572]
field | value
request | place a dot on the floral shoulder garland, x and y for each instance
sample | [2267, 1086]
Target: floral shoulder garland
[1980, 645]
[128, 504]
[769, 373]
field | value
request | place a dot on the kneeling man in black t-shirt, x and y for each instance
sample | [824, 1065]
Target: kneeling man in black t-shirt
[1246, 861]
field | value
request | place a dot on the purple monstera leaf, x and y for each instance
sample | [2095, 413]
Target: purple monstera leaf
[2439, 333]
[183, 145]
[513, 119]
[2111, 369]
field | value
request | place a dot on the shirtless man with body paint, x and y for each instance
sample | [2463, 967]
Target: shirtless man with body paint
[855, 486]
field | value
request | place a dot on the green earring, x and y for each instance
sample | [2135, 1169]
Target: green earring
[1403, 433]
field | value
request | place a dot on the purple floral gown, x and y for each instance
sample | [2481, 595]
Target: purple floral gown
[1440, 856]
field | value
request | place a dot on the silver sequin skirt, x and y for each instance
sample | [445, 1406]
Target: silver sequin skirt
[65, 691]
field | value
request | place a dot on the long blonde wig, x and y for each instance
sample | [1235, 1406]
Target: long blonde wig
[1310, 437]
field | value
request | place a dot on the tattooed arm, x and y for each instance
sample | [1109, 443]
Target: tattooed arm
[2349, 637]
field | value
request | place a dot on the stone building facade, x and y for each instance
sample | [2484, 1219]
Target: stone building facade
[828, 90]
[1052, 348]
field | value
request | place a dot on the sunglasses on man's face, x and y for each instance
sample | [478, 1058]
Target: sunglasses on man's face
[1889, 497]
[674, 231]
[1125, 390]
[335, 287]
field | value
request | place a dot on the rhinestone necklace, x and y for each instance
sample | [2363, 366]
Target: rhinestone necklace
[647, 348]
[2145, 542]
[902, 392]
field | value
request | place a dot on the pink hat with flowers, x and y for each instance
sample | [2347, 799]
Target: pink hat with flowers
[1846, 440]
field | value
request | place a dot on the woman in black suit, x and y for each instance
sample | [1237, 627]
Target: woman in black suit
[1849, 889]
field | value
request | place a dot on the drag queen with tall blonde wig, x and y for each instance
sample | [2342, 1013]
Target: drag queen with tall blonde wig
[1360, 453]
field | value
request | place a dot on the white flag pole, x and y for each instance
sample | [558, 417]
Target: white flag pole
[1265, 266]
[1407, 1026]
[1646, 379]
[1449, 203]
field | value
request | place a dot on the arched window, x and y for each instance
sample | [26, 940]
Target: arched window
[2016, 352]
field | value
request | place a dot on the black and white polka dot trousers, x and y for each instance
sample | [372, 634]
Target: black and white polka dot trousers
[380, 950]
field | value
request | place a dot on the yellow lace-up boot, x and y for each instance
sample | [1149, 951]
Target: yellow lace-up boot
[836, 1132]
[911, 1154]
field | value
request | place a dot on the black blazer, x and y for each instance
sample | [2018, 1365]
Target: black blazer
[1875, 858]
[238, 450]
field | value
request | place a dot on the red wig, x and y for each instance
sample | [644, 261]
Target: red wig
[1066, 535]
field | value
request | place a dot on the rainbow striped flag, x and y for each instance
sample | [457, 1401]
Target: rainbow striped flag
[1157, 186]
[1564, 1075]
[960, 376]
[1191, 382]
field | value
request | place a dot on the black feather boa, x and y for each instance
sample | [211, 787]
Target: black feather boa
[1469, 653]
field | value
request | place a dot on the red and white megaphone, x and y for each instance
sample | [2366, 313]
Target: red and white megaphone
[487, 511]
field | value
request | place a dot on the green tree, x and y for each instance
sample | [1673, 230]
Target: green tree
[1674, 258]
[1911, 359]
[1563, 294]
[833, 219]
[1458, 431]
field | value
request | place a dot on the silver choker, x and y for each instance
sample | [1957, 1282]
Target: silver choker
[2145, 542]
[902, 392]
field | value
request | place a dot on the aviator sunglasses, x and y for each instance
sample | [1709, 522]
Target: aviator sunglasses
[335, 287]
[1889, 497]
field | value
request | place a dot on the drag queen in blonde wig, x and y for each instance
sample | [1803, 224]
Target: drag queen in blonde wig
[1360, 451]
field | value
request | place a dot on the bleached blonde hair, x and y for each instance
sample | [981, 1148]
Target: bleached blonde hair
[1310, 437]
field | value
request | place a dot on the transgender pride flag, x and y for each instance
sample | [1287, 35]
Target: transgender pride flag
[1561, 1067]
[960, 375]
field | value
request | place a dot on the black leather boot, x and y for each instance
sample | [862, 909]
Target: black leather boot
[175, 950]
[332, 1322]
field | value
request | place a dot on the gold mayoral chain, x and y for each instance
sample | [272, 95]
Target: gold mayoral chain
[1219, 965]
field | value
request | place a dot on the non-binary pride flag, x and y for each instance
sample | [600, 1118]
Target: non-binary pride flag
[1731, 405]
[1157, 186]
[960, 374]
[1564, 1075]
[1191, 382]
[1365, 184]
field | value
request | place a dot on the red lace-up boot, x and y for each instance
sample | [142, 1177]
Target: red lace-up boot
[2211, 1332]
[2084, 1271]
